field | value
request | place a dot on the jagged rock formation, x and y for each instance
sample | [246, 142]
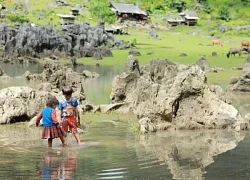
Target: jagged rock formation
[168, 95]
[81, 40]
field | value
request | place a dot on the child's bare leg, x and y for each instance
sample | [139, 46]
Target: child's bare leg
[50, 142]
[77, 137]
[63, 141]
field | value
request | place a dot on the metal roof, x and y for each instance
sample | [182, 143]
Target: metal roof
[66, 16]
[190, 13]
[127, 8]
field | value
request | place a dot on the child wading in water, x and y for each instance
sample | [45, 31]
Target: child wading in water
[51, 126]
[69, 113]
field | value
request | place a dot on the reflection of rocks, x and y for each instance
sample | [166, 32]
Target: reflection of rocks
[243, 82]
[22, 103]
[174, 96]
[180, 151]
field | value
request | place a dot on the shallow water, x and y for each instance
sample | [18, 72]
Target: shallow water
[111, 151]
[97, 90]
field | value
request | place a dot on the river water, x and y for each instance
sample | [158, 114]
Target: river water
[110, 150]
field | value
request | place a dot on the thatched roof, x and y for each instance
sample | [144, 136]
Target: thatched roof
[127, 8]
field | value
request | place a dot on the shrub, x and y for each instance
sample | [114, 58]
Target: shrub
[224, 13]
[18, 18]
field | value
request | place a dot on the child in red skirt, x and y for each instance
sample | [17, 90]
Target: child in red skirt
[69, 113]
[51, 126]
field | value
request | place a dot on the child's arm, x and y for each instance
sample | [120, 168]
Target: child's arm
[38, 118]
[76, 104]
[53, 117]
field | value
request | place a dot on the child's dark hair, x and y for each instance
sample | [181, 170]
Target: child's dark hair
[67, 90]
[52, 101]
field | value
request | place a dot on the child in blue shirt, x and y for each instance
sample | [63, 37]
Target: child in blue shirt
[51, 126]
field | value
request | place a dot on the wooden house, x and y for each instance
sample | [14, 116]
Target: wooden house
[66, 19]
[127, 11]
[190, 17]
[74, 11]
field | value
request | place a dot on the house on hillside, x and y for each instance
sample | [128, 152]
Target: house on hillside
[190, 17]
[174, 20]
[66, 19]
[74, 11]
[127, 11]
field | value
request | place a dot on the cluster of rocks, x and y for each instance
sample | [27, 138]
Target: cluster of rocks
[23, 103]
[168, 95]
[142, 25]
[242, 83]
[224, 28]
[80, 40]
[56, 76]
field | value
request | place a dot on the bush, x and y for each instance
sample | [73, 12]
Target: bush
[224, 14]
[214, 32]
[18, 18]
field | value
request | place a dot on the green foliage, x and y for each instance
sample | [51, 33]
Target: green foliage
[246, 2]
[18, 18]
[134, 42]
[224, 13]
[101, 9]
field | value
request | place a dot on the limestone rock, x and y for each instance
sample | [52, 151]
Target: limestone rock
[23, 103]
[168, 92]
[203, 64]
[241, 84]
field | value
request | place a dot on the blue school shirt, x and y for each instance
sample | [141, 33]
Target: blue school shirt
[47, 119]
[63, 104]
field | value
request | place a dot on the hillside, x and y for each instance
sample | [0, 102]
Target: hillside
[229, 13]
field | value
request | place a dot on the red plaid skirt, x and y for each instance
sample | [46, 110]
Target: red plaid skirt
[53, 132]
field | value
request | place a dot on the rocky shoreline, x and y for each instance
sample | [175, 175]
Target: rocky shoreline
[164, 95]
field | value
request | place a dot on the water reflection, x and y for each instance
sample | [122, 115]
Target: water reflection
[186, 154]
[110, 151]
[58, 164]
[97, 90]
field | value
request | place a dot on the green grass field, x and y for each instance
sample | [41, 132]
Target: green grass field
[171, 45]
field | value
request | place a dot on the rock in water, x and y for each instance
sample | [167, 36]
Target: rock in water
[23, 103]
[242, 83]
[173, 96]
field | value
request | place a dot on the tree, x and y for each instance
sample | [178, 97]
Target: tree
[101, 9]
[224, 13]
[246, 2]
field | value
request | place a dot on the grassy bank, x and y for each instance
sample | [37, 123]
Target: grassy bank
[174, 42]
